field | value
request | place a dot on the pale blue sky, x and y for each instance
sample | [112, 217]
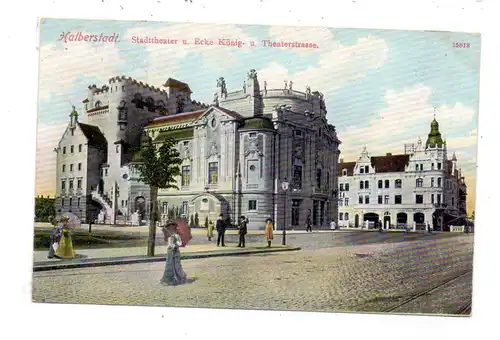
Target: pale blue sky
[380, 85]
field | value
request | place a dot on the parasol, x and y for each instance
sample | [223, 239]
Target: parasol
[184, 231]
[73, 220]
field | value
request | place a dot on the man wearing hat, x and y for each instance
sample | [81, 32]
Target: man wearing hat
[242, 231]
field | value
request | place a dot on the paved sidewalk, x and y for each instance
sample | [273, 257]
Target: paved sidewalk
[128, 255]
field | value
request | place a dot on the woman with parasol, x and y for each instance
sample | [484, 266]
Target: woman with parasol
[173, 274]
[65, 249]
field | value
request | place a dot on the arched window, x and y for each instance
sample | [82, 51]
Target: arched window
[367, 199]
[150, 104]
[380, 184]
[367, 185]
[432, 182]
[97, 104]
[341, 216]
[420, 182]
[398, 183]
[361, 184]
[344, 172]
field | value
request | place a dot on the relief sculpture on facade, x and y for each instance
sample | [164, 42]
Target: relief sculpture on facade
[253, 145]
[298, 150]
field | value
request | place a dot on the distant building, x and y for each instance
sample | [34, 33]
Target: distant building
[412, 189]
[236, 152]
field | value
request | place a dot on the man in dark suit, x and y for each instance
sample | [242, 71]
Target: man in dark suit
[309, 222]
[221, 229]
[243, 227]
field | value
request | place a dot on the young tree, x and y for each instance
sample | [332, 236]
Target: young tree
[196, 220]
[158, 169]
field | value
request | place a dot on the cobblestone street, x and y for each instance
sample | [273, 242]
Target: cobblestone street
[371, 275]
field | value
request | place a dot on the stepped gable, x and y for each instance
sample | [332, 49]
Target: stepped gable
[171, 82]
[390, 163]
[347, 165]
[94, 135]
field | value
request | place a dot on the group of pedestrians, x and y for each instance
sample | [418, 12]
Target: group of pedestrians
[61, 244]
[221, 227]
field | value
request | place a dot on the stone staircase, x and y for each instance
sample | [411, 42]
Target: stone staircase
[105, 202]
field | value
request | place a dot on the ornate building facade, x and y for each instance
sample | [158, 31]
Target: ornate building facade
[412, 189]
[236, 153]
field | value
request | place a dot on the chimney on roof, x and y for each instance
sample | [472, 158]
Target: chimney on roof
[388, 154]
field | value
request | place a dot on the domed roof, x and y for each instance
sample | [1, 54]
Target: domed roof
[258, 123]
[434, 139]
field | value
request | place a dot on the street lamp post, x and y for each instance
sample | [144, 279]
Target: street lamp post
[284, 186]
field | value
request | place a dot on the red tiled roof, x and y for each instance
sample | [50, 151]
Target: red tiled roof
[177, 118]
[347, 165]
[171, 82]
[229, 112]
[391, 163]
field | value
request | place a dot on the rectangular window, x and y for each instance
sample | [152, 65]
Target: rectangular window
[346, 216]
[105, 172]
[318, 178]
[184, 208]
[432, 182]
[71, 167]
[79, 184]
[453, 201]
[439, 166]
[341, 203]
[212, 173]
[361, 170]
[380, 199]
[252, 205]
[64, 150]
[380, 184]
[367, 169]
[386, 199]
[297, 177]
[78, 201]
[360, 199]
[398, 183]
[367, 199]
[123, 202]
[341, 186]
[432, 198]
[298, 133]
[416, 167]
[79, 166]
[70, 184]
[64, 168]
[421, 167]
[432, 166]
[439, 182]
[346, 201]
[367, 185]
[347, 187]
[165, 207]
[397, 199]
[386, 183]
[341, 215]
[419, 199]
[70, 201]
[361, 184]
[62, 202]
[72, 150]
[186, 174]
[63, 185]
[438, 198]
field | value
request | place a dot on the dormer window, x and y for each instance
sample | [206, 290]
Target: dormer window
[344, 172]
[361, 170]
[367, 169]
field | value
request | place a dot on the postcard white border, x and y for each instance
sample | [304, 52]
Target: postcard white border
[83, 322]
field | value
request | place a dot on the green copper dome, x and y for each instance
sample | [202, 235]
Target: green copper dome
[434, 139]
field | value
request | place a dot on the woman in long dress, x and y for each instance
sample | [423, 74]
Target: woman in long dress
[54, 240]
[174, 274]
[269, 232]
[65, 249]
[210, 230]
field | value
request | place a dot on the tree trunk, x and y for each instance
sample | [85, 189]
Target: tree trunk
[153, 201]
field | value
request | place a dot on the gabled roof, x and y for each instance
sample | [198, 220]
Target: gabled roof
[389, 163]
[228, 112]
[178, 118]
[347, 165]
[171, 82]
[94, 136]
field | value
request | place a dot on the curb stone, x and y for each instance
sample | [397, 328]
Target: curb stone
[45, 266]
